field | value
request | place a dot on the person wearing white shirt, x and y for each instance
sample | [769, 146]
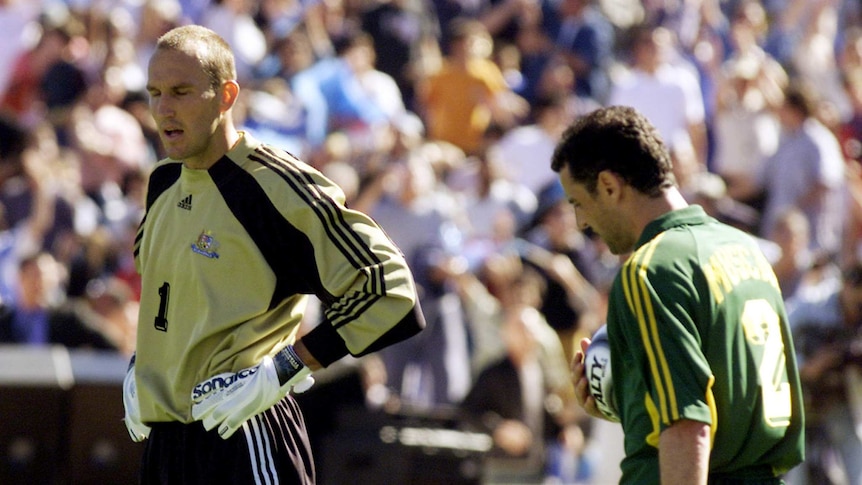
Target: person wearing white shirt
[524, 152]
[667, 93]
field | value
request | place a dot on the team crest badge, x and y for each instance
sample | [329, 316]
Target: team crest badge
[206, 245]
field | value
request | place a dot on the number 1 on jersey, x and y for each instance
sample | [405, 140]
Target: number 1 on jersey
[161, 322]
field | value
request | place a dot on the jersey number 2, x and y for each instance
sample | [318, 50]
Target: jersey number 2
[763, 333]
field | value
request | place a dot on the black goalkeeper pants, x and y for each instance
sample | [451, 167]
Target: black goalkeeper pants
[271, 448]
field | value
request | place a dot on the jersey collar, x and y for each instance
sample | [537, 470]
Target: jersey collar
[688, 216]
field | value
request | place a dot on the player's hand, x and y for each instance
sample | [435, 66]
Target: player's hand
[581, 383]
[228, 400]
[138, 431]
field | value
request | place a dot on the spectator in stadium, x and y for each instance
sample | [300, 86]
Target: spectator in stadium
[663, 87]
[469, 93]
[566, 261]
[155, 17]
[39, 315]
[584, 38]
[523, 151]
[495, 206]
[815, 60]
[558, 78]
[111, 302]
[795, 262]
[47, 78]
[522, 48]
[275, 106]
[379, 86]
[806, 171]
[234, 20]
[402, 30]
[110, 141]
[35, 214]
[749, 87]
[850, 136]
[16, 19]
[336, 99]
[826, 327]
[424, 220]
[520, 397]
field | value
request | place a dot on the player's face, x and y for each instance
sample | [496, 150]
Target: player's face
[185, 106]
[599, 212]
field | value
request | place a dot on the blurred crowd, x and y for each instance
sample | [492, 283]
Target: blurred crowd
[439, 118]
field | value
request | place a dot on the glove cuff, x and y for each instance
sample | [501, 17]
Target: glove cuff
[287, 364]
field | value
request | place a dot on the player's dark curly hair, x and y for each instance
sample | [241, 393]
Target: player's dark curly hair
[621, 140]
[213, 52]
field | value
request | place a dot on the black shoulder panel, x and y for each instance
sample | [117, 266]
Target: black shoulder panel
[162, 177]
[287, 250]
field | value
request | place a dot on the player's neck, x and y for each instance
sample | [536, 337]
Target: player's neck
[651, 208]
[220, 143]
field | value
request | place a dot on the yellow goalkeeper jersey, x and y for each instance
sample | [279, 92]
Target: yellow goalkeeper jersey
[228, 257]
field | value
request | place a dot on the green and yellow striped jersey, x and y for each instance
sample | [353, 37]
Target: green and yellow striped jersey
[699, 331]
[228, 257]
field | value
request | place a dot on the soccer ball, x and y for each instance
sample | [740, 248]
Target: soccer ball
[597, 363]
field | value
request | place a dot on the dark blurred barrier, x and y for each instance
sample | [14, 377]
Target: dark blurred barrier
[405, 450]
[61, 418]
[61, 423]
[353, 445]
[101, 451]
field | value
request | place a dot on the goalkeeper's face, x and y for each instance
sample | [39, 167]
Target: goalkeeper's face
[186, 108]
[603, 211]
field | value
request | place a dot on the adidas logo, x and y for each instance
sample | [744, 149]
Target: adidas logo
[186, 203]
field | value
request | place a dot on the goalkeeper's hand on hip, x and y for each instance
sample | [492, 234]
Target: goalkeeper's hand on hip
[138, 431]
[228, 400]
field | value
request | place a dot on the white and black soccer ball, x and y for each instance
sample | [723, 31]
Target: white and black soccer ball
[597, 361]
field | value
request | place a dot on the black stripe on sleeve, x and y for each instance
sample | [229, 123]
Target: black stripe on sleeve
[339, 232]
[327, 346]
[286, 249]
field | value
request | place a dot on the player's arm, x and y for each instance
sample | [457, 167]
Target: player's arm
[683, 452]
[367, 289]
[308, 359]
[370, 302]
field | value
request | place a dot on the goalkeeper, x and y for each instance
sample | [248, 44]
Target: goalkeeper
[703, 367]
[237, 234]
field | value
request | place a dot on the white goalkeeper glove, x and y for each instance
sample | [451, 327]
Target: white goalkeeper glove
[228, 400]
[138, 431]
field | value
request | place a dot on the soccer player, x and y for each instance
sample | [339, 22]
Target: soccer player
[235, 237]
[703, 363]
